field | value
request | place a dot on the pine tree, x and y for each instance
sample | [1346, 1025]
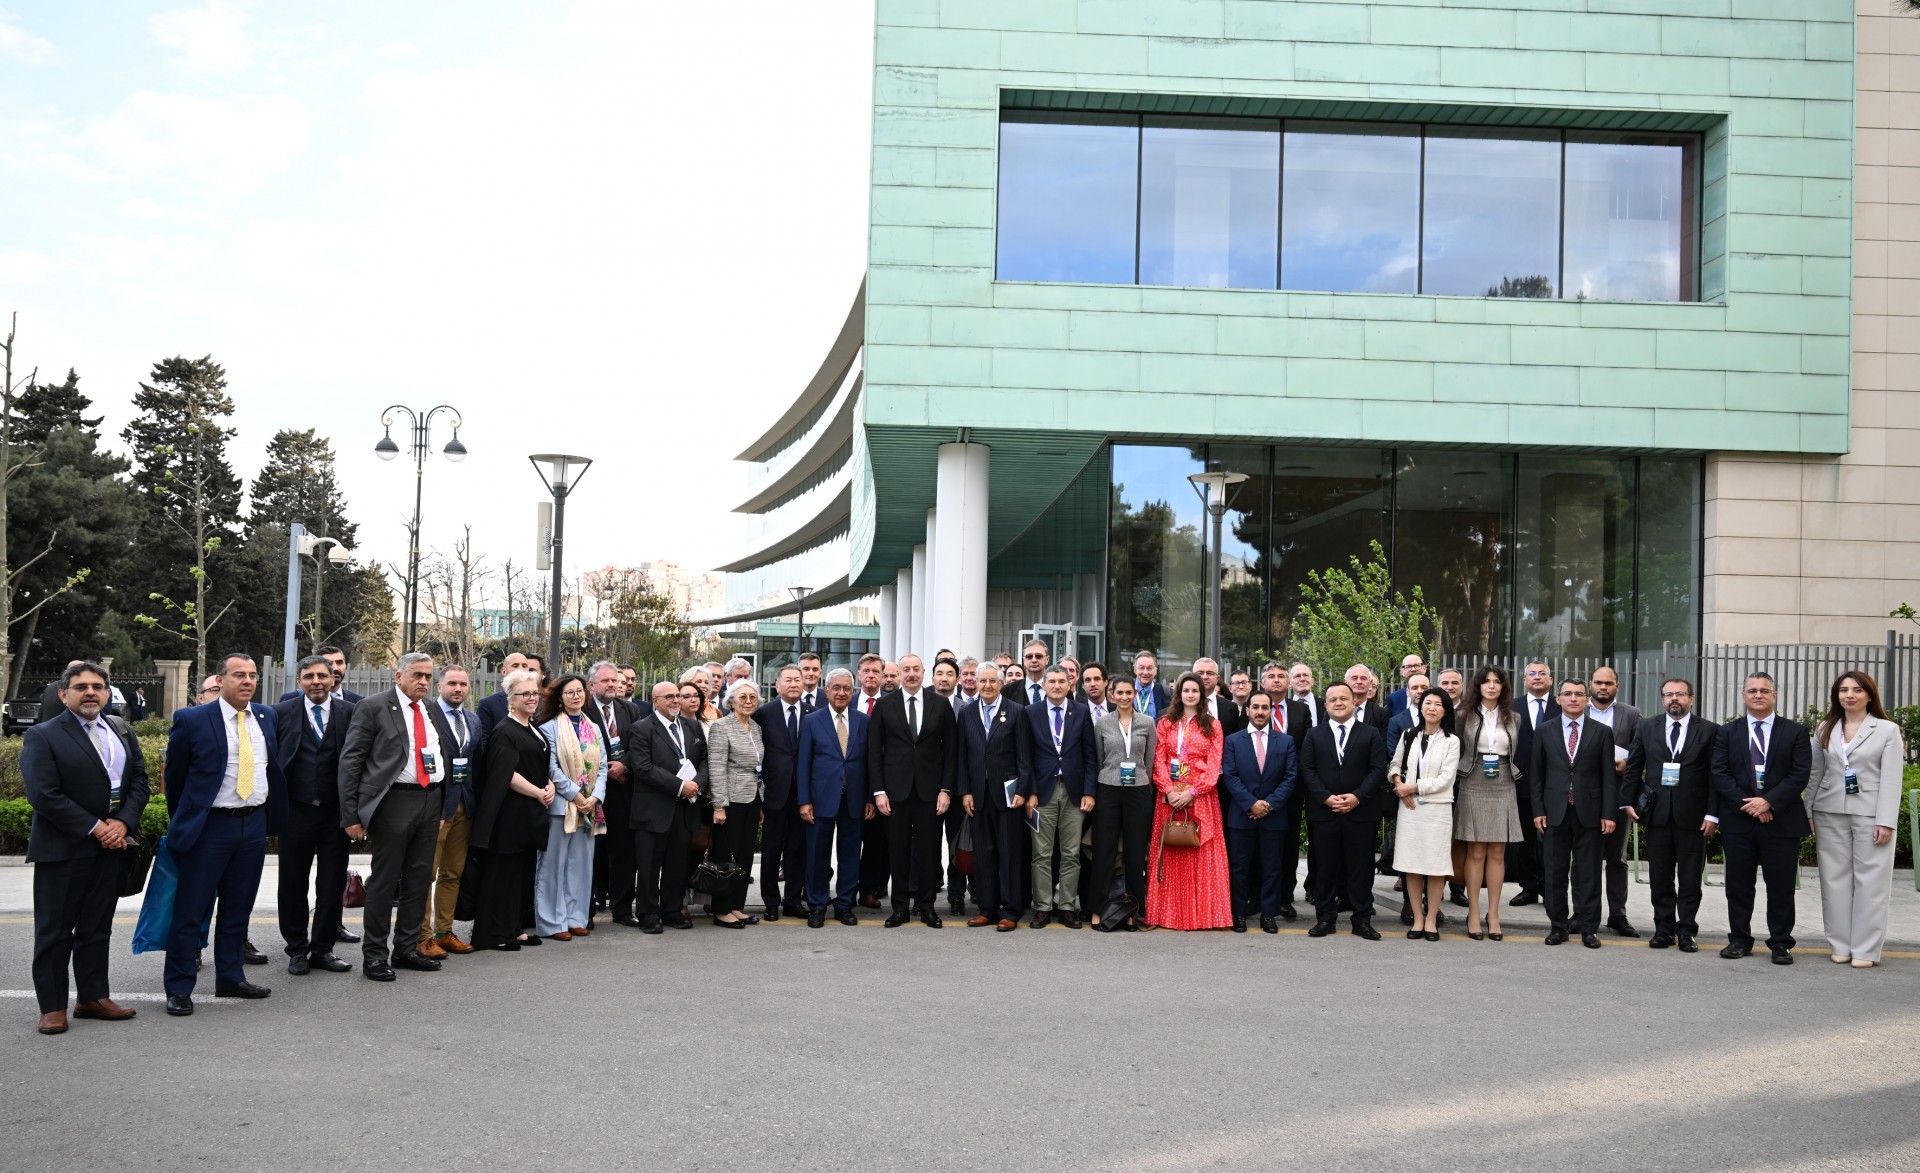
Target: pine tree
[297, 484]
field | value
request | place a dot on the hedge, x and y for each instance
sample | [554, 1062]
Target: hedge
[153, 746]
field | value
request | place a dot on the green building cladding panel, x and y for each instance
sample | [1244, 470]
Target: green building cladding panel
[1757, 360]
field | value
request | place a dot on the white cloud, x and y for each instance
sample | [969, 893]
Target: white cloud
[212, 39]
[398, 49]
[232, 147]
[20, 45]
[142, 208]
[20, 266]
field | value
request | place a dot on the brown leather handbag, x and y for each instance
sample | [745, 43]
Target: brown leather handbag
[1178, 831]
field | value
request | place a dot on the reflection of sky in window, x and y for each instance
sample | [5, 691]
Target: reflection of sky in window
[1624, 220]
[1158, 472]
[1351, 211]
[1493, 211]
[1209, 192]
[1067, 195]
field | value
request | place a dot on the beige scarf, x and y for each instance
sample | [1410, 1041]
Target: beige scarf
[580, 762]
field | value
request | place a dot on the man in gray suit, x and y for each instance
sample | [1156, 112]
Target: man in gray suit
[1603, 689]
[392, 769]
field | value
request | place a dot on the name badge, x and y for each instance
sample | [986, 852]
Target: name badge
[1489, 765]
[113, 793]
[1759, 775]
[613, 747]
[426, 757]
[459, 770]
[1670, 773]
[1178, 770]
[1127, 771]
[1853, 782]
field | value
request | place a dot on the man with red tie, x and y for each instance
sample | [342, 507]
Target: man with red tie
[391, 772]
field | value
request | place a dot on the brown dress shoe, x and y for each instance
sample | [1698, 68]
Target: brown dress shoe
[53, 1022]
[104, 1009]
[869, 902]
[979, 922]
[1006, 926]
[431, 950]
[562, 935]
[580, 932]
[453, 944]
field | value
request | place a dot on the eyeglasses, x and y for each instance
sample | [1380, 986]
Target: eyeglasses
[525, 692]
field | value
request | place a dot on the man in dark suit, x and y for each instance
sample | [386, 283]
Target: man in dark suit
[615, 870]
[1603, 705]
[1301, 688]
[459, 733]
[1668, 790]
[1343, 764]
[1576, 797]
[87, 783]
[1400, 699]
[311, 729]
[813, 692]
[337, 661]
[912, 756]
[1258, 772]
[1293, 718]
[876, 853]
[783, 836]
[832, 798]
[989, 759]
[225, 794]
[393, 772]
[1760, 767]
[1153, 698]
[1059, 768]
[493, 707]
[1526, 860]
[667, 760]
[1031, 687]
[1362, 683]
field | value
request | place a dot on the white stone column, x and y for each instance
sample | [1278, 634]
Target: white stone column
[959, 542]
[917, 625]
[888, 596]
[902, 612]
[931, 635]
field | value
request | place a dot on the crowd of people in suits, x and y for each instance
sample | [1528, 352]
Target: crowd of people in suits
[558, 797]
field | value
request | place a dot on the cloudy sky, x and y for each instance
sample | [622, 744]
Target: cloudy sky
[623, 230]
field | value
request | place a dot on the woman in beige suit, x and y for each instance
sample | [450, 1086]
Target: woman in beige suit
[735, 751]
[1853, 795]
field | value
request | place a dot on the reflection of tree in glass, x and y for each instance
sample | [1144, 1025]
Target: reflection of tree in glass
[1538, 285]
[1155, 566]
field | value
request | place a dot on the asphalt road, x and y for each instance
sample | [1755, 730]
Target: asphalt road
[784, 1047]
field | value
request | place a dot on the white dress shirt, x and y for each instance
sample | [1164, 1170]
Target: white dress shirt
[229, 795]
[406, 776]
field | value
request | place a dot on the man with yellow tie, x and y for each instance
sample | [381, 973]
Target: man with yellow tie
[226, 795]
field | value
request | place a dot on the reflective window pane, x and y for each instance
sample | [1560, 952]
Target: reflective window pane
[1328, 504]
[1068, 188]
[1452, 524]
[1209, 202]
[1243, 545]
[1573, 556]
[1154, 564]
[1492, 214]
[1669, 562]
[1629, 204]
[1351, 210]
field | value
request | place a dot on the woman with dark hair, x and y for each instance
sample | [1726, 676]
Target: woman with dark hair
[1188, 887]
[1421, 772]
[511, 797]
[577, 767]
[1853, 800]
[694, 705]
[1486, 809]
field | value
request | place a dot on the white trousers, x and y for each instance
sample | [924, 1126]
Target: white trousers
[1856, 884]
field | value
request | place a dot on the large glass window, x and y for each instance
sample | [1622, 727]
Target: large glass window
[1243, 546]
[1209, 202]
[1573, 564]
[1068, 195]
[1156, 576]
[1491, 221]
[1328, 505]
[1630, 210]
[1452, 524]
[1668, 568]
[1351, 209]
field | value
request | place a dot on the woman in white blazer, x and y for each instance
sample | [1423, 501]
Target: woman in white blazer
[1853, 797]
[1422, 771]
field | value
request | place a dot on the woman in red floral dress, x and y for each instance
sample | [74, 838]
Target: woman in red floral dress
[1188, 888]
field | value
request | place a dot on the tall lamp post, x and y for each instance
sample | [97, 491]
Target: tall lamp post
[560, 474]
[799, 594]
[1212, 487]
[386, 449]
[300, 543]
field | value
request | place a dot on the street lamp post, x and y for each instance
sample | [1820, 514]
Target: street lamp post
[386, 449]
[560, 474]
[1212, 487]
[799, 594]
[299, 544]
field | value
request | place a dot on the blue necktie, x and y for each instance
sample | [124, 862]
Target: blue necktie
[1056, 722]
[319, 724]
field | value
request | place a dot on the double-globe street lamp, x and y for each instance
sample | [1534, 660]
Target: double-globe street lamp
[386, 449]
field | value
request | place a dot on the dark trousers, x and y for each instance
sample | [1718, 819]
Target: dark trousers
[617, 850]
[1343, 865]
[1751, 848]
[834, 855]
[404, 831]
[312, 846]
[733, 843]
[1296, 812]
[1254, 864]
[913, 841]
[73, 902]
[1122, 826]
[1613, 862]
[662, 858]
[501, 883]
[876, 856]
[1676, 851]
[1526, 860]
[950, 824]
[1573, 851]
[225, 864]
[783, 847]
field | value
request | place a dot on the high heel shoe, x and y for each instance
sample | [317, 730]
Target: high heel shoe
[1479, 936]
[1493, 936]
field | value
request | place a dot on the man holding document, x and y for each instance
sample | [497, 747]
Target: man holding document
[989, 776]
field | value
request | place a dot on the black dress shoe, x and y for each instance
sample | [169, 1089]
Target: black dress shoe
[380, 971]
[1736, 950]
[651, 926]
[957, 907]
[298, 966]
[414, 961]
[1366, 932]
[1556, 937]
[1688, 944]
[1431, 936]
[1267, 925]
[1590, 940]
[846, 917]
[1239, 924]
[772, 914]
[680, 922]
[897, 918]
[251, 955]
[1782, 956]
[1660, 941]
[329, 963]
[243, 990]
[1458, 894]
[1523, 898]
[179, 1005]
[1406, 913]
[347, 936]
[1439, 918]
[1620, 925]
[931, 919]
[528, 942]
[1320, 928]
[1287, 911]
[796, 911]
[1413, 934]
[817, 918]
[627, 919]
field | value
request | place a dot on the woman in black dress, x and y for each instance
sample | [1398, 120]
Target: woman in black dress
[510, 819]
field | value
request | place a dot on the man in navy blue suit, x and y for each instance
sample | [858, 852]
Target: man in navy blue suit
[830, 784]
[313, 845]
[1258, 772]
[1760, 767]
[783, 837]
[1059, 766]
[989, 759]
[226, 795]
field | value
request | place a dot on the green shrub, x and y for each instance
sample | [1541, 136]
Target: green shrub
[153, 746]
[16, 823]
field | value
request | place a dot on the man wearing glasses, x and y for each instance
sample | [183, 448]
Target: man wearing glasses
[1760, 767]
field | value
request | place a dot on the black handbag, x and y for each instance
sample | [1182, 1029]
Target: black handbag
[717, 879]
[139, 862]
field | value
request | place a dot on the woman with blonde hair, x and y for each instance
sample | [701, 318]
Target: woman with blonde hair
[511, 796]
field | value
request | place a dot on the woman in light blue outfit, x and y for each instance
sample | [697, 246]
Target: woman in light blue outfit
[577, 766]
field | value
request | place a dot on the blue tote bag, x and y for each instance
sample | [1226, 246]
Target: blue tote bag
[150, 931]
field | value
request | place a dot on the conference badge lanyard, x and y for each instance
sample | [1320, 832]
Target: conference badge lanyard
[1759, 771]
[1670, 770]
[1489, 762]
[1128, 768]
[1846, 757]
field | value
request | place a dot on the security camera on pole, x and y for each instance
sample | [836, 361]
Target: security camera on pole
[301, 544]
